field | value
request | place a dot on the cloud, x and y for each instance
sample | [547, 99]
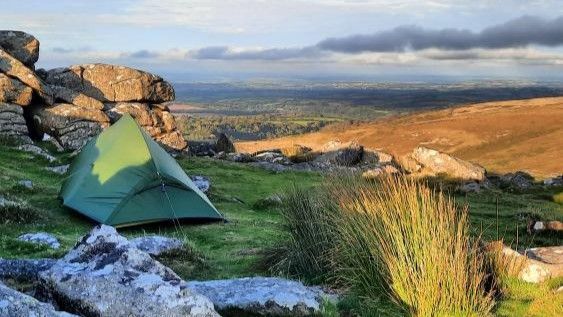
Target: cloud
[272, 54]
[520, 32]
[143, 54]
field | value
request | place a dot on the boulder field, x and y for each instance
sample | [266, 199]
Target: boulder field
[72, 104]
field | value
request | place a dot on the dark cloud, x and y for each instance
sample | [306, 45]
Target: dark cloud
[273, 54]
[520, 32]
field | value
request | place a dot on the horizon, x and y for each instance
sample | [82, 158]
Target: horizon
[333, 40]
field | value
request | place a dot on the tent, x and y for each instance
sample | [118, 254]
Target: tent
[122, 178]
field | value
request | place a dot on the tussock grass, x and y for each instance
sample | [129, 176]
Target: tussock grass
[17, 212]
[391, 239]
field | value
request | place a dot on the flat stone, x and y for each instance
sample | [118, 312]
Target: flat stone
[156, 245]
[34, 149]
[24, 269]
[436, 163]
[41, 238]
[201, 182]
[61, 169]
[14, 91]
[26, 183]
[266, 296]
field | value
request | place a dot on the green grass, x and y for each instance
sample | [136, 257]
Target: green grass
[236, 248]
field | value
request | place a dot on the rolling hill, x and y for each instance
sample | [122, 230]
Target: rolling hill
[502, 136]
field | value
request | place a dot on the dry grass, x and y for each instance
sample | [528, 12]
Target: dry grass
[501, 136]
[391, 239]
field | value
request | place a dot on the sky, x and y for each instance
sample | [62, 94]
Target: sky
[223, 40]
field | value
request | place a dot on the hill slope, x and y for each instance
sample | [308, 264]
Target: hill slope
[502, 136]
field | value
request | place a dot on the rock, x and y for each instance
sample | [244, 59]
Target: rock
[272, 157]
[70, 125]
[539, 226]
[104, 275]
[16, 304]
[239, 157]
[160, 124]
[554, 181]
[409, 165]
[224, 144]
[376, 157]
[202, 182]
[13, 91]
[272, 167]
[518, 180]
[34, 149]
[22, 46]
[41, 238]
[265, 296]
[12, 123]
[14, 68]
[61, 169]
[24, 269]
[378, 171]
[112, 83]
[156, 245]
[201, 148]
[26, 183]
[436, 162]
[76, 98]
[347, 156]
[472, 187]
[539, 265]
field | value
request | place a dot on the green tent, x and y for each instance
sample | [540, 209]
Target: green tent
[122, 178]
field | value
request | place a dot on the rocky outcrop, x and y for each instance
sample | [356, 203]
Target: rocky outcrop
[348, 155]
[104, 275]
[75, 103]
[16, 304]
[16, 69]
[70, 125]
[23, 46]
[12, 122]
[112, 83]
[434, 163]
[265, 296]
[14, 91]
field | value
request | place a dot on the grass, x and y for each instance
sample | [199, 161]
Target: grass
[236, 248]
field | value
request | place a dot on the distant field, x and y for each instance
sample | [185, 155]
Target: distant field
[502, 136]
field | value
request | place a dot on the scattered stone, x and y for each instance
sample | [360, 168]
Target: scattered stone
[105, 275]
[26, 183]
[41, 238]
[111, 83]
[472, 187]
[265, 296]
[518, 180]
[34, 149]
[14, 68]
[22, 46]
[239, 157]
[156, 245]
[554, 181]
[378, 171]
[24, 269]
[272, 157]
[540, 226]
[224, 144]
[17, 304]
[201, 182]
[435, 162]
[61, 169]
[201, 148]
